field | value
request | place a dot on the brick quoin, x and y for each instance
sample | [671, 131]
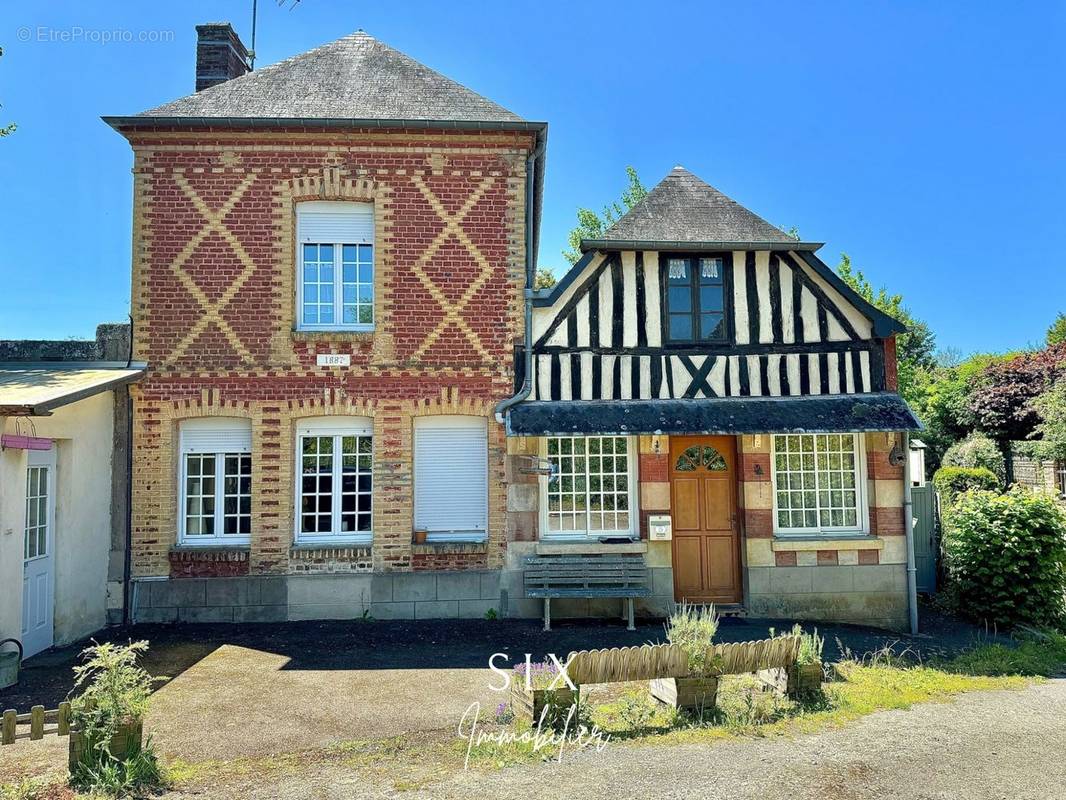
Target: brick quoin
[216, 351]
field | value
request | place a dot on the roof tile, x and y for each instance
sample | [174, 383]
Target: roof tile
[356, 77]
[682, 208]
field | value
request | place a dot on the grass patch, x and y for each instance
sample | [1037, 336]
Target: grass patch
[1042, 655]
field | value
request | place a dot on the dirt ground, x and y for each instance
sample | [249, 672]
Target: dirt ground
[230, 692]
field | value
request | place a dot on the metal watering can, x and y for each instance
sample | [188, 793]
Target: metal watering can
[9, 664]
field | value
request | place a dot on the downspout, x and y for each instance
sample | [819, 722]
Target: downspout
[908, 529]
[527, 343]
[127, 557]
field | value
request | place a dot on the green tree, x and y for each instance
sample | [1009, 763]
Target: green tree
[1051, 406]
[9, 129]
[915, 349]
[591, 225]
[942, 400]
[1056, 333]
[544, 279]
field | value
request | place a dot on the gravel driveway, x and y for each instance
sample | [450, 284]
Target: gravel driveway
[984, 746]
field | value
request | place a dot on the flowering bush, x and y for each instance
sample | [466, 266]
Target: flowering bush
[541, 675]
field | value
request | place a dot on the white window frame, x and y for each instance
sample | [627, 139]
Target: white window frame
[337, 427]
[456, 421]
[221, 425]
[1059, 468]
[862, 528]
[632, 455]
[304, 237]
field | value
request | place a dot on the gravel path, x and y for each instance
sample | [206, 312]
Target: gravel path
[983, 746]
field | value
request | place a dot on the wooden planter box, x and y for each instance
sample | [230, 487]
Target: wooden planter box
[529, 705]
[126, 742]
[804, 678]
[691, 694]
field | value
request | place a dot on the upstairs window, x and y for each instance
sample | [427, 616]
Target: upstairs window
[335, 266]
[695, 300]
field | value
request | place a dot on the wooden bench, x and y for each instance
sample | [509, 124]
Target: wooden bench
[622, 575]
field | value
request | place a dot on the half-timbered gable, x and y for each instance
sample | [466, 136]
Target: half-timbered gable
[623, 324]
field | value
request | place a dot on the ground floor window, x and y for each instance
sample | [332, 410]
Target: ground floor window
[216, 481]
[818, 483]
[335, 480]
[451, 477]
[591, 491]
[1060, 477]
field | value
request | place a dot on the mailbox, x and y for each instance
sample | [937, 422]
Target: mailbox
[660, 528]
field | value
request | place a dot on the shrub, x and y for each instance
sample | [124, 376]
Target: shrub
[811, 644]
[692, 628]
[950, 482]
[977, 450]
[636, 709]
[114, 694]
[1006, 557]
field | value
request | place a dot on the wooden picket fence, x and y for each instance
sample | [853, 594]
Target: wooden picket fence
[40, 723]
[649, 662]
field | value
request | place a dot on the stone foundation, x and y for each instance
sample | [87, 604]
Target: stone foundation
[861, 594]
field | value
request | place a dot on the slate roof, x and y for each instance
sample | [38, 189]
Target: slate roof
[28, 388]
[356, 77]
[844, 413]
[683, 211]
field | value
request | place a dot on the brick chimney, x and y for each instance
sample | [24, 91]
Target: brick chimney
[220, 54]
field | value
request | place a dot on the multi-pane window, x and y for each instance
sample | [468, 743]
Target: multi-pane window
[1060, 477]
[590, 491]
[817, 483]
[695, 299]
[216, 482]
[335, 266]
[36, 540]
[335, 483]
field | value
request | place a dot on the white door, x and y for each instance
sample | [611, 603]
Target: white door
[38, 574]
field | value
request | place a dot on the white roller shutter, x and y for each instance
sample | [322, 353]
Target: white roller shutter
[329, 222]
[451, 477]
[216, 435]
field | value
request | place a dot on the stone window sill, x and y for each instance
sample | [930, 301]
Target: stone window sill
[206, 553]
[442, 548]
[572, 548]
[329, 551]
[332, 336]
[796, 543]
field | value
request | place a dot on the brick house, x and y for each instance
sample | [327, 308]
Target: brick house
[331, 257]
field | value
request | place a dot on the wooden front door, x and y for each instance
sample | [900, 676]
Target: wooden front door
[703, 493]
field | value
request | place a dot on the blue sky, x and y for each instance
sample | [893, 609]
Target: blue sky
[924, 139]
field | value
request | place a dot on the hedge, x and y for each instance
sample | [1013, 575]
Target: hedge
[1005, 556]
[950, 482]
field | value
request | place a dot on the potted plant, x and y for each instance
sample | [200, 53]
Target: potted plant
[107, 718]
[692, 628]
[805, 676]
[420, 536]
[540, 696]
